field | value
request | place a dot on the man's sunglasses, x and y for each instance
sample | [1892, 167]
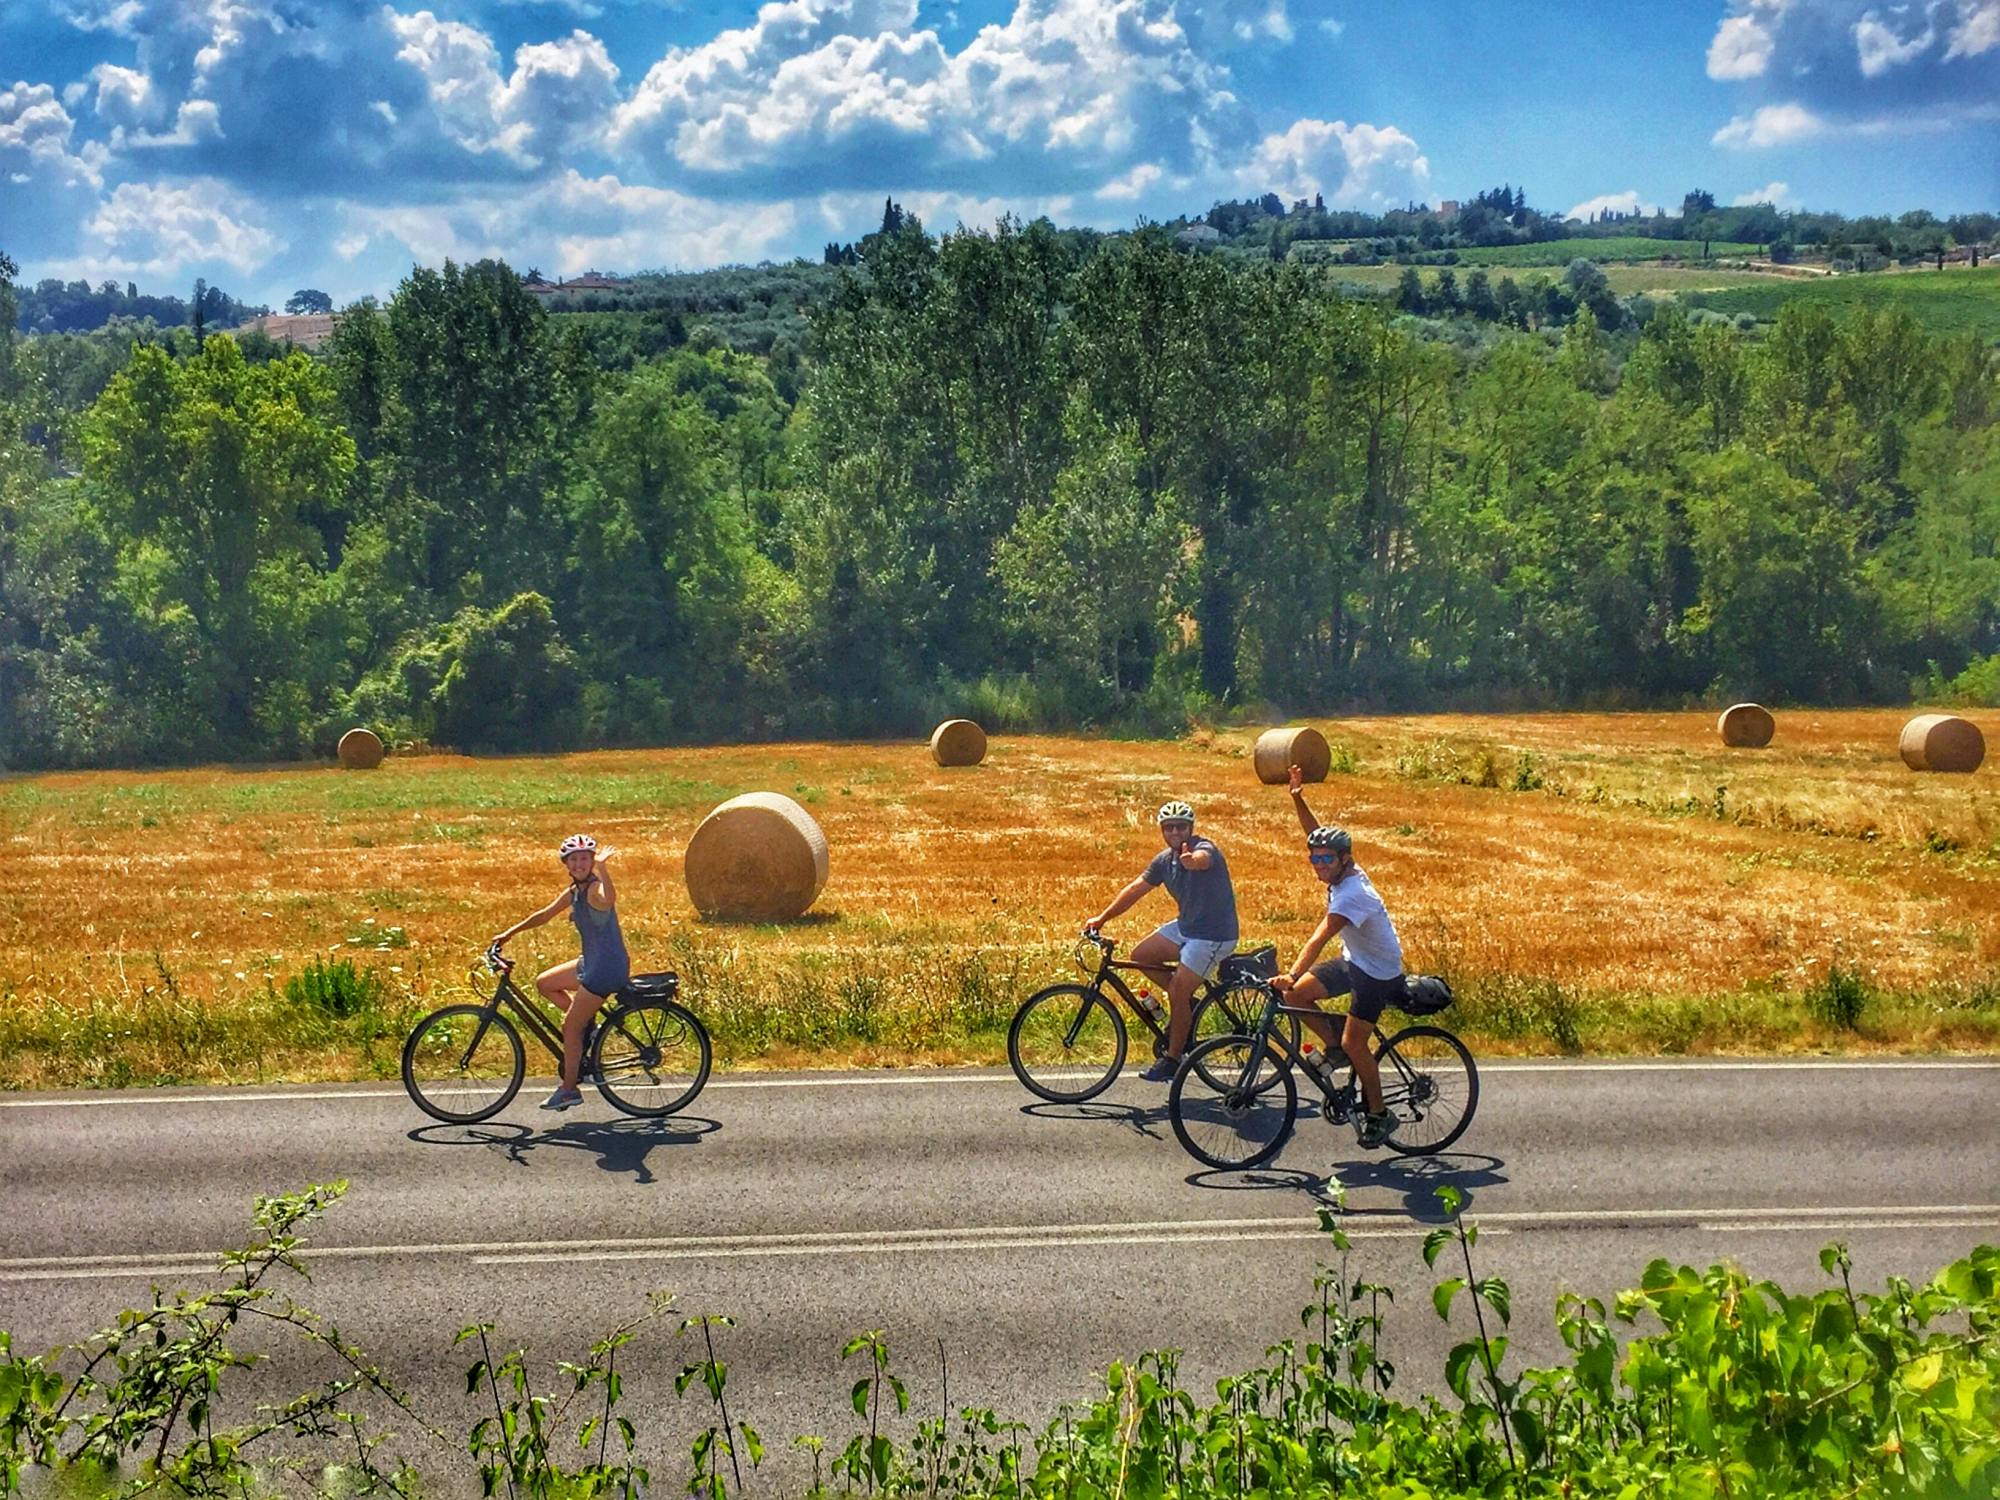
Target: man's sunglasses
[1324, 859]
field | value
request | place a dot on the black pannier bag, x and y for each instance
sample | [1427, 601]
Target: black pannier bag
[650, 987]
[1258, 963]
[1424, 995]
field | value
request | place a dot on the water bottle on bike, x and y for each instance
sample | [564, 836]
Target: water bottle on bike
[1319, 1065]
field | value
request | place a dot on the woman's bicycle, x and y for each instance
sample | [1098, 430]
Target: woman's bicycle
[1067, 1043]
[1234, 1101]
[648, 1054]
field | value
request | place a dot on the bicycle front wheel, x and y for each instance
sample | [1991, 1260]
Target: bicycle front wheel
[463, 1064]
[1237, 1012]
[1067, 1043]
[651, 1058]
[1241, 1125]
[1429, 1083]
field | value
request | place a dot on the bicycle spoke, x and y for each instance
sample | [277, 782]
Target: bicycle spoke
[1240, 1124]
[462, 1063]
[651, 1058]
[1066, 1044]
[1430, 1085]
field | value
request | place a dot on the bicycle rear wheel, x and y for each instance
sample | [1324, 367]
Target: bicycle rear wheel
[1431, 1086]
[1237, 1012]
[1241, 1125]
[1067, 1043]
[463, 1064]
[651, 1058]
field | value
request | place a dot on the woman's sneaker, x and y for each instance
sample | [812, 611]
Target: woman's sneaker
[563, 1098]
[1163, 1069]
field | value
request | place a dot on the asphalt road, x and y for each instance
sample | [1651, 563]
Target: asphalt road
[1032, 1242]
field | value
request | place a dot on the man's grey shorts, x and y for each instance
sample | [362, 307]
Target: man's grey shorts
[1202, 955]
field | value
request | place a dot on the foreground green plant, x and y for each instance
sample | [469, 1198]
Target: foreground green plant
[1713, 1384]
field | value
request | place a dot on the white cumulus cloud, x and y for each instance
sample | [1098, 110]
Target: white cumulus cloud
[1350, 164]
[1976, 31]
[1777, 194]
[1879, 47]
[1741, 49]
[1772, 125]
[35, 132]
[1132, 184]
[1627, 202]
[158, 229]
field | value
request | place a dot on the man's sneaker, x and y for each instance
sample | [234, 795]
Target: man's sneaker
[1163, 1069]
[563, 1099]
[1376, 1129]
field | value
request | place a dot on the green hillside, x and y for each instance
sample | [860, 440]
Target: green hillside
[1953, 301]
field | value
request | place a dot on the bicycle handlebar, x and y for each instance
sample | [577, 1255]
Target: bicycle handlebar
[496, 962]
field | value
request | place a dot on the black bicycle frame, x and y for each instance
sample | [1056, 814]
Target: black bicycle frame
[1266, 1033]
[1108, 970]
[530, 1015]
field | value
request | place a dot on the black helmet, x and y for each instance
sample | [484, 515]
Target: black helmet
[1326, 836]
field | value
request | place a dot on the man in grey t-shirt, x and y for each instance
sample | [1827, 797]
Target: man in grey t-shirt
[1197, 877]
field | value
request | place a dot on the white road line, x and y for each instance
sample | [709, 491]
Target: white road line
[1871, 1225]
[1357, 1225]
[889, 1079]
[967, 1242]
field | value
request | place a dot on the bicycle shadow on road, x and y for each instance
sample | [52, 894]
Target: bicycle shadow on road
[1415, 1178]
[620, 1145]
[1146, 1122]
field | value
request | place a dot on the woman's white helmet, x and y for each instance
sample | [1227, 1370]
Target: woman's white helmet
[575, 842]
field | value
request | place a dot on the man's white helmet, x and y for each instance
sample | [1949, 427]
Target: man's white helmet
[1175, 812]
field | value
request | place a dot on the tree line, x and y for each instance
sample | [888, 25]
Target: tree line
[1048, 482]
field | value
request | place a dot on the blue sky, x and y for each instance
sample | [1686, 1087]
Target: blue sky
[273, 144]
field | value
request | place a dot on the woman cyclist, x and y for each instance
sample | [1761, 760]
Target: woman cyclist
[580, 986]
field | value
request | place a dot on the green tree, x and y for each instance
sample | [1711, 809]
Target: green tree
[308, 300]
[205, 470]
[499, 679]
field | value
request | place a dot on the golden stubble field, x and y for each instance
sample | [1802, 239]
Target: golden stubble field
[1594, 881]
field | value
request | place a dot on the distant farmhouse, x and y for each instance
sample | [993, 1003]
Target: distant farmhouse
[1200, 234]
[305, 330]
[589, 281]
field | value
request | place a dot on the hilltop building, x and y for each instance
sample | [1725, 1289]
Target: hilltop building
[306, 330]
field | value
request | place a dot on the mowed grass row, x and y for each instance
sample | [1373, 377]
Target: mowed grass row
[1591, 883]
[1624, 279]
[1617, 247]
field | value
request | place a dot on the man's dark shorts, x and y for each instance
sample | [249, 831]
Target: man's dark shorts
[1371, 995]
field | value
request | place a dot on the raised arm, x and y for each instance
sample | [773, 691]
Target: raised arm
[534, 919]
[1296, 785]
[602, 896]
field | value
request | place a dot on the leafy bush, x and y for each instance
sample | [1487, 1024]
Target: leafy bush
[336, 987]
[1724, 1385]
[1838, 998]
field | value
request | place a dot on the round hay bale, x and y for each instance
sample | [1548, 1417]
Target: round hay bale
[1942, 742]
[1746, 726]
[759, 857]
[1278, 750]
[359, 750]
[958, 742]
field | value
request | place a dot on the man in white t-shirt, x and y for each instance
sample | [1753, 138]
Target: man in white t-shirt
[1371, 970]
